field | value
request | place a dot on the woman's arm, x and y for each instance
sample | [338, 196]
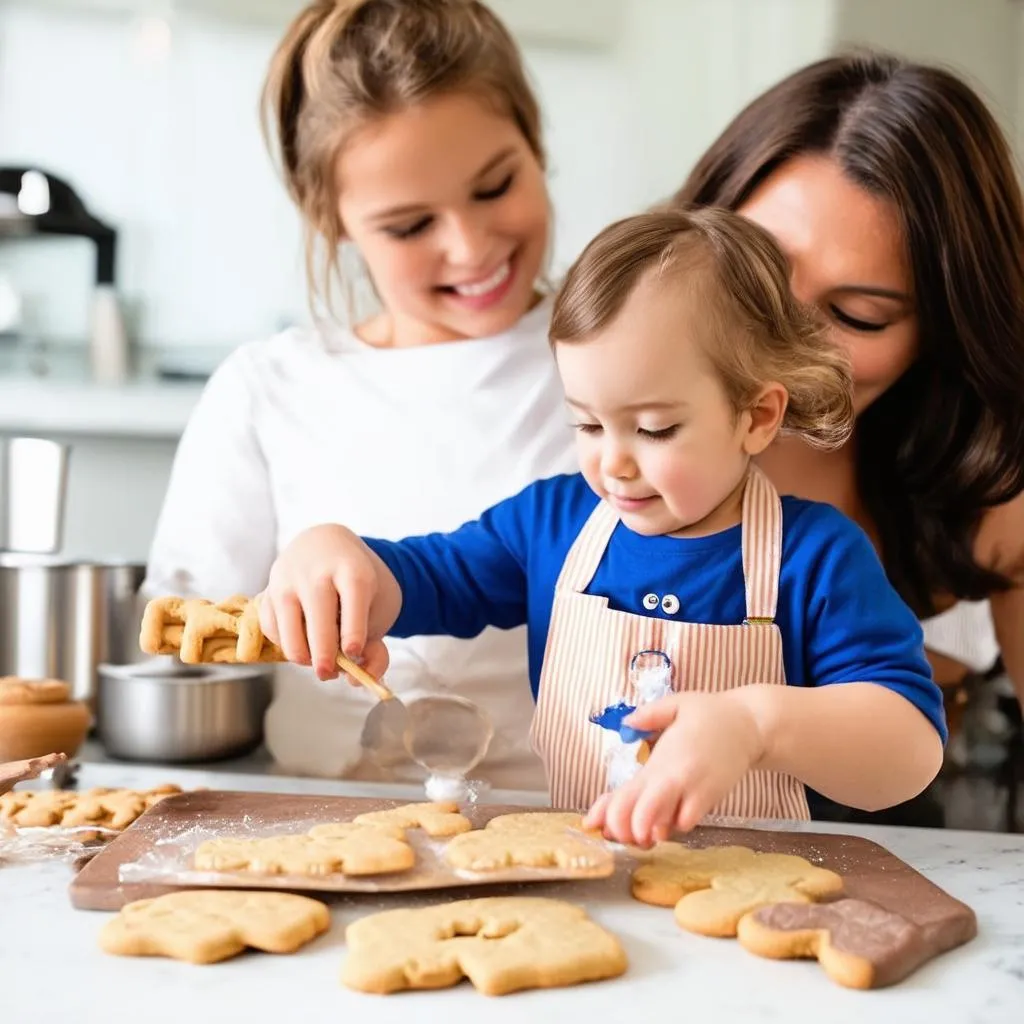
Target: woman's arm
[1001, 545]
[215, 535]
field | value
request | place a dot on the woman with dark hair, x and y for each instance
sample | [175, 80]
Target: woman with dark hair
[892, 190]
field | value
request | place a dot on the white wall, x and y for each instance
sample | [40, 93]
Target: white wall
[160, 134]
[161, 137]
[978, 38]
[691, 66]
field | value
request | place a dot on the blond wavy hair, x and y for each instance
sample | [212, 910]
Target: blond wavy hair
[342, 63]
[756, 330]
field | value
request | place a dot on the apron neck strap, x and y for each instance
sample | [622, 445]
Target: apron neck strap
[588, 549]
[762, 547]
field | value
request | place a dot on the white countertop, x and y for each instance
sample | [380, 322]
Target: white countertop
[54, 970]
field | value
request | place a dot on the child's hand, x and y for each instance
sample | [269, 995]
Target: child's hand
[708, 742]
[325, 595]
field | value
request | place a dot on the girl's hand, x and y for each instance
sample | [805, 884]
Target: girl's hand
[328, 592]
[707, 743]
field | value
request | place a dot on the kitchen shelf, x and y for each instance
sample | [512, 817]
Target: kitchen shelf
[145, 409]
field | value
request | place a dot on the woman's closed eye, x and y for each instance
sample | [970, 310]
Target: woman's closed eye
[417, 227]
[855, 323]
[487, 195]
[403, 231]
[587, 428]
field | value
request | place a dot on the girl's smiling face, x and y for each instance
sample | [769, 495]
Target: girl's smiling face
[446, 202]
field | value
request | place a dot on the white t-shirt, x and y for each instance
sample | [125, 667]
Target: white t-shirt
[315, 426]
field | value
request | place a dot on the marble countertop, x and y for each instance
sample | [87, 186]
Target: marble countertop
[63, 975]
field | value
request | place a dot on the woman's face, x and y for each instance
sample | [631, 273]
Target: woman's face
[448, 206]
[848, 258]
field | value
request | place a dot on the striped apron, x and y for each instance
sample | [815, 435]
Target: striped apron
[590, 647]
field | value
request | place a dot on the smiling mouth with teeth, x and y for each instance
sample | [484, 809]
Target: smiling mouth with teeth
[478, 288]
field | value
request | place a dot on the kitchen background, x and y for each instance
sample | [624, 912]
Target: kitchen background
[148, 109]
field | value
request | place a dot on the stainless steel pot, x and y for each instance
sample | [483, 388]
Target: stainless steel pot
[162, 711]
[62, 619]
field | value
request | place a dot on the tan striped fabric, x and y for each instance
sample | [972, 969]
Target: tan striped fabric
[590, 646]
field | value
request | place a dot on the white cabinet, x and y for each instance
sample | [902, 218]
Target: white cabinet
[586, 24]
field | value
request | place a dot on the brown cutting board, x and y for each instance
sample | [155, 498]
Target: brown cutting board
[870, 872]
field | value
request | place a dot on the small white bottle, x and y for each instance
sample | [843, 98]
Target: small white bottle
[108, 341]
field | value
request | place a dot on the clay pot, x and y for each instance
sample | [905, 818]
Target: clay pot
[37, 718]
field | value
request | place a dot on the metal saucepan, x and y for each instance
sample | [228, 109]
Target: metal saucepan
[163, 711]
[60, 618]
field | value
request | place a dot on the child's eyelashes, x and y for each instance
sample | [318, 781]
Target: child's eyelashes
[659, 435]
[650, 435]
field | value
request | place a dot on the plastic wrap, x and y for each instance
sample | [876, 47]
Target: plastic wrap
[32, 844]
[168, 861]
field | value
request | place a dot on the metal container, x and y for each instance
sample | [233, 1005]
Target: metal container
[162, 711]
[62, 618]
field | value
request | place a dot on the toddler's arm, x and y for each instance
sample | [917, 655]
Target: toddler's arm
[452, 584]
[867, 726]
[861, 744]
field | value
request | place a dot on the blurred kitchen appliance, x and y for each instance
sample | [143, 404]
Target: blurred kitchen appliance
[59, 618]
[36, 203]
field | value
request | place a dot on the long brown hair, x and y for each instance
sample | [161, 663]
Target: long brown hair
[946, 441]
[754, 331]
[342, 63]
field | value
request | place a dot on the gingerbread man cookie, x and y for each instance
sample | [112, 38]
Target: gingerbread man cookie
[501, 944]
[858, 944]
[532, 840]
[712, 888]
[344, 848]
[441, 818]
[203, 927]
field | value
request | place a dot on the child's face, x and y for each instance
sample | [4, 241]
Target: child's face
[447, 205]
[657, 436]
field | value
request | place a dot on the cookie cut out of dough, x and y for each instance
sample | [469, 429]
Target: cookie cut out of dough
[441, 818]
[532, 840]
[858, 944]
[712, 888]
[204, 927]
[113, 809]
[200, 632]
[347, 848]
[501, 944]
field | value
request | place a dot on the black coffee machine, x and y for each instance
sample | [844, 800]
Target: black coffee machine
[35, 202]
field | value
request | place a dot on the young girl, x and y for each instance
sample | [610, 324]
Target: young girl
[683, 355]
[408, 134]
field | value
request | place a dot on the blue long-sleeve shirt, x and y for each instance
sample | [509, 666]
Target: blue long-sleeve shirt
[840, 619]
